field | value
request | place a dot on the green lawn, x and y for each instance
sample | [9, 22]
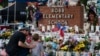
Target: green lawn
[1, 7]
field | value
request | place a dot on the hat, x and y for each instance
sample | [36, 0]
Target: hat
[25, 28]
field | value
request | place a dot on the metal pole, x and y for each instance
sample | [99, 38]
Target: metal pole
[8, 14]
[0, 19]
[14, 15]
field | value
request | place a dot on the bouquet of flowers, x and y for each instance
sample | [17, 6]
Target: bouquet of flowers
[6, 34]
[75, 46]
[79, 46]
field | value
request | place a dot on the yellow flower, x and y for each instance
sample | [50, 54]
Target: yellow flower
[76, 48]
[81, 45]
[81, 42]
[6, 34]
[64, 48]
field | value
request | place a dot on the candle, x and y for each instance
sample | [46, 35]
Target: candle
[68, 54]
[53, 26]
[92, 28]
[61, 53]
[86, 54]
[97, 39]
[76, 28]
[32, 27]
[43, 37]
[99, 51]
[43, 28]
[97, 28]
[48, 27]
[1, 42]
[57, 53]
[77, 54]
[85, 27]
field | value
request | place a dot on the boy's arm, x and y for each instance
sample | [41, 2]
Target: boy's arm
[42, 53]
[42, 50]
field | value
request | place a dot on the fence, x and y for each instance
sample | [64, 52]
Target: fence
[64, 53]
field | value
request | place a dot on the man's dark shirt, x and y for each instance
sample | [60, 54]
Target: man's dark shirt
[12, 47]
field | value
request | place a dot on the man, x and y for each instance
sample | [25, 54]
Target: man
[16, 43]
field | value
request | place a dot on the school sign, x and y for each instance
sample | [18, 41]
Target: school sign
[73, 15]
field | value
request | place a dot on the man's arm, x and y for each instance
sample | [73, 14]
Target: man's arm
[21, 44]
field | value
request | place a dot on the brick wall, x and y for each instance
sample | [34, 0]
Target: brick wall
[76, 11]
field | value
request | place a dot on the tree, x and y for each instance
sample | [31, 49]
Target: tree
[3, 3]
[84, 2]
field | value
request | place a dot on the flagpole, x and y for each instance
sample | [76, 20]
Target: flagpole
[14, 15]
[0, 19]
[8, 13]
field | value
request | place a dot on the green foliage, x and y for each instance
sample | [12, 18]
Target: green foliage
[84, 2]
[97, 47]
[47, 39]
[1, 6]
[4, 3]
[87, 44]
